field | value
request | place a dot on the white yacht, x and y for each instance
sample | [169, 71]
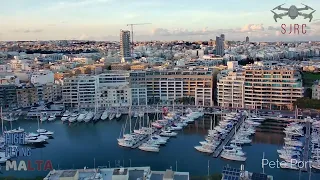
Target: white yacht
[52, 118]
[65, 116]
[32, 140]
[175, 127]
[146, 147]
[89, 116]
[294, 143]
[17, 130]
[43, 118]
[118, 115]
[82, 116]
[158, 140]
[204, 149]
[256, 118]
[39, 136]
[125, 143]
[111, 116]
[315, 164]
[3, 160]
[104, 115]
[232, 156]
[288, 165]
[73, 117]
[168, 133]
[45, 132]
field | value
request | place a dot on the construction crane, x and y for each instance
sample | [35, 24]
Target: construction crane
[132, 32]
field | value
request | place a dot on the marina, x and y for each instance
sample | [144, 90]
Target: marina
[72, 137]
[219, 149]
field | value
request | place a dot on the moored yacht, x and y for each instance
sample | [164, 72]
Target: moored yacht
[204, 149]
[43, 117]
[65, 116]
[288, 165]
[111, 116]
[52, 118]
[73, 117]
[125, 143]
[81, 116]
[45, 132]
[36, 135]
[168, 133]
[146, 147]
[233, 156]
[104, 115]
[89, 116]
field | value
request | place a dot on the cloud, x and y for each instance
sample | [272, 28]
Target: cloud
[79, 3]
[271, 28]
[252, 27]
[27, 30]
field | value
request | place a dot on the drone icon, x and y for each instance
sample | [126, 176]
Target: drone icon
[293, 12]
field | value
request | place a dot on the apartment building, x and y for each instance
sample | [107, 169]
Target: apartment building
[8, 96]
[231, 90]
[114, 96]
[51, 92]
[316, 90]
[271, 87]
[167, 86]
[27, 96]
[80, 91]
[89, 91]
[113, 89]
[137, 82]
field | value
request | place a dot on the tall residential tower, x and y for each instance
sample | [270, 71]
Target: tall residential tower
[125, 45]
[220, 45]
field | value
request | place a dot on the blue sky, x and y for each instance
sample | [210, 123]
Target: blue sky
[171, 19]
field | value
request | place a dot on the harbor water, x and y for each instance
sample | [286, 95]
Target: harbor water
[92, 145]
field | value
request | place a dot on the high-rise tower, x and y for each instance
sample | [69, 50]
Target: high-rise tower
[125, 50]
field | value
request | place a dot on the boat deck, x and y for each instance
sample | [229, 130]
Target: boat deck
[219, 149]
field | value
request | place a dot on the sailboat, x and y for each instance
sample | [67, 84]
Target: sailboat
[118, 115]
[43, 131]
[43, 117]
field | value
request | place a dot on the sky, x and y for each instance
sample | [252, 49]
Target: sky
[170, 19]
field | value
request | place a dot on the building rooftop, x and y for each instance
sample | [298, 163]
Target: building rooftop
[70, 173]
[103, 173]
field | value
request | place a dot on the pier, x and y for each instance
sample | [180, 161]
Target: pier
[305, 153]
[219, 149]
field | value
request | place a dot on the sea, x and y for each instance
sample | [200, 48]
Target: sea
[92, 145]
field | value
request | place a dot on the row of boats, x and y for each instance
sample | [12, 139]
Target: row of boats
[40, 137]
[158, 133]
[220, 133]
[293, 145]
[87, 116]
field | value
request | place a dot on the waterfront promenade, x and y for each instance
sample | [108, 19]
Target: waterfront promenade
[219, 149]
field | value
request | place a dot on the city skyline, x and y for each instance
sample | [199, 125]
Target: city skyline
[174, 20]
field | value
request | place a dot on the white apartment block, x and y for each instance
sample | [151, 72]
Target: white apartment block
[80, 91]
[316, 90]
[230, 90]
[42, 77]
[104, 90]
[261, 87]
[114, 96]
[168, 85]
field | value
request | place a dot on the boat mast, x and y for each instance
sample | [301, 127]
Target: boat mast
[130, 118]
[1, 119]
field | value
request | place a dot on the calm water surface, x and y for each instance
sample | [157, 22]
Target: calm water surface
[77, 145]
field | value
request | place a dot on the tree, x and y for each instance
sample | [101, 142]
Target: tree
[307, 103]
[88, 70]
[308, 93]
